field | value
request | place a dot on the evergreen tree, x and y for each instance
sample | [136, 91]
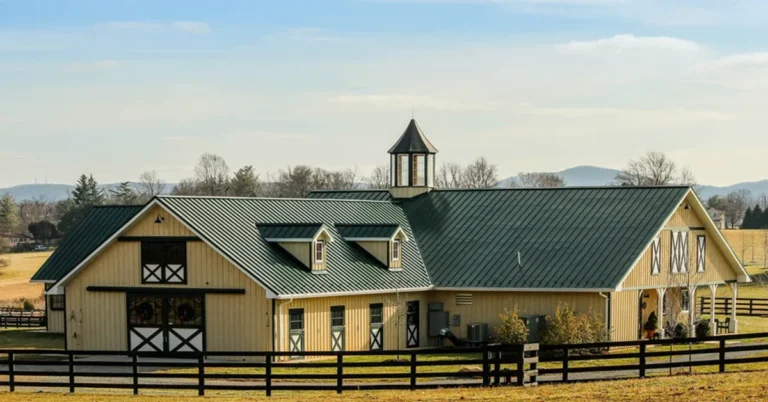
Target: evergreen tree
[245, 183]
[9, 217]
[71, 211]
[747, 221]
[759, 217]
[95, 194]
[124, 194]
[80, 194]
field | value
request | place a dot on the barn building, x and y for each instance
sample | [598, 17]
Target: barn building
[379, 269]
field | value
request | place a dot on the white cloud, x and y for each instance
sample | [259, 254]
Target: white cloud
[190, 27]
[632, 42]
[757, 59]
[94, 65]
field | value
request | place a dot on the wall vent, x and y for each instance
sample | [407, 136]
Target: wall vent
[464, 299]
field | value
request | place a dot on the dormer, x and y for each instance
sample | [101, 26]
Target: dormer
[384, 242]
[306, 242]
[412, 163]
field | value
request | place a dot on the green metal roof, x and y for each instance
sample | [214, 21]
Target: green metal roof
[383, 231]
[230, 225]
[568, 238]
[370, 195]
[99, 224]
[303, 231]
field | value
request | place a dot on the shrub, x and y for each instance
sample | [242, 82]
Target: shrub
[680, 331]
[702, 329]
[653, 322]
[569, 327]
[4, 262]
[512, 329]
[28, 305]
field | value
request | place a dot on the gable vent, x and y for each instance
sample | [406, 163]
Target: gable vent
[464, 299]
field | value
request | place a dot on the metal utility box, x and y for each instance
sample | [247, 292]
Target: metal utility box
[437, 319]
[535, 324]
[477, 332]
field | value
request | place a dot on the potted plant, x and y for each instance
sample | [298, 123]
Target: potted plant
[651, 325]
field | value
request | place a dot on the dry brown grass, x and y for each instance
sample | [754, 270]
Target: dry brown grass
[749, 245]
[14, 279]
[749, 386]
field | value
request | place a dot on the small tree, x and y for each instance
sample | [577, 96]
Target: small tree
[512, 329]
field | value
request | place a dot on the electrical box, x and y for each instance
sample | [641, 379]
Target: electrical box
[436, 321]
[477, 332]
[456, 320]
[535, 324]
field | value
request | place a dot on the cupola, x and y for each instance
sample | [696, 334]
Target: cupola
[412, 163]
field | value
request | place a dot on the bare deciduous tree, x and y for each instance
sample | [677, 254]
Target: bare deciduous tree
[212, 174]
[480, 174]
[450, 175]
[735, 205]
[379, 178]
[540, 180]
[186, 187]
[654, 169]
[150, 185]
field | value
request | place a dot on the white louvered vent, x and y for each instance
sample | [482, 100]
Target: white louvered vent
[464, 299]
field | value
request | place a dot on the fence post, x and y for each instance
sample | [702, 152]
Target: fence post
[750, 306]
[413, 371]
[521, 366]
[497, 367]
[135, 361]
[701, 305]
[726, 305]
[200, 375]
[339, 373]
[11, 378]
[642, 360]
[722, 355]
[566, 357]
[486, 366]
[268, 375]
[71, 372]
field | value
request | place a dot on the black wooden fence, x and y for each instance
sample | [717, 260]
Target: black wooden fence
[493, 365]
[17, 318]
[724, 306]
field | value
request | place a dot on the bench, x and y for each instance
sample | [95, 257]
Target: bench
[722, 327]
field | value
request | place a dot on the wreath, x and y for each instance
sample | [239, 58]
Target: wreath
[145, 311]
[185, 312]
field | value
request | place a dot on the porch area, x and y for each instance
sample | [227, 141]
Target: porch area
[662, 309]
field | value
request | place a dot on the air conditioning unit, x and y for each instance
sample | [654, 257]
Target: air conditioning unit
[477, 332]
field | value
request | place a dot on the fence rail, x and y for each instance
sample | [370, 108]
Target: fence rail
[16, 317]
[724, 306]
[490, 365]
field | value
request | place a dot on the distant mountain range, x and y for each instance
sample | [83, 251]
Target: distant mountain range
[597, 176]
[576, 176]
[56, 192]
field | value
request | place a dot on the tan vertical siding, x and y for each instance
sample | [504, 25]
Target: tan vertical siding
[407, 192]
[299, 250]
[486, 306]
[624, 315]
[97, 320]
[317, 320]
[718, 269]
[55, 320]
[378, 249]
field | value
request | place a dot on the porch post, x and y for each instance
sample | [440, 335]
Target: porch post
[734, 295]
[691, 306]
[660, 306]
[713, 290]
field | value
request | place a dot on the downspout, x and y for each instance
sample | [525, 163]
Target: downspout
[274, 328]
[607, 312]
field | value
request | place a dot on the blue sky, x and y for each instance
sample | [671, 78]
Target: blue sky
[115, 88]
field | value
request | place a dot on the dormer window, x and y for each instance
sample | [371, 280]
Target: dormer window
[306, 243]
[319, 251]
[384, 242]
[395, 250]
